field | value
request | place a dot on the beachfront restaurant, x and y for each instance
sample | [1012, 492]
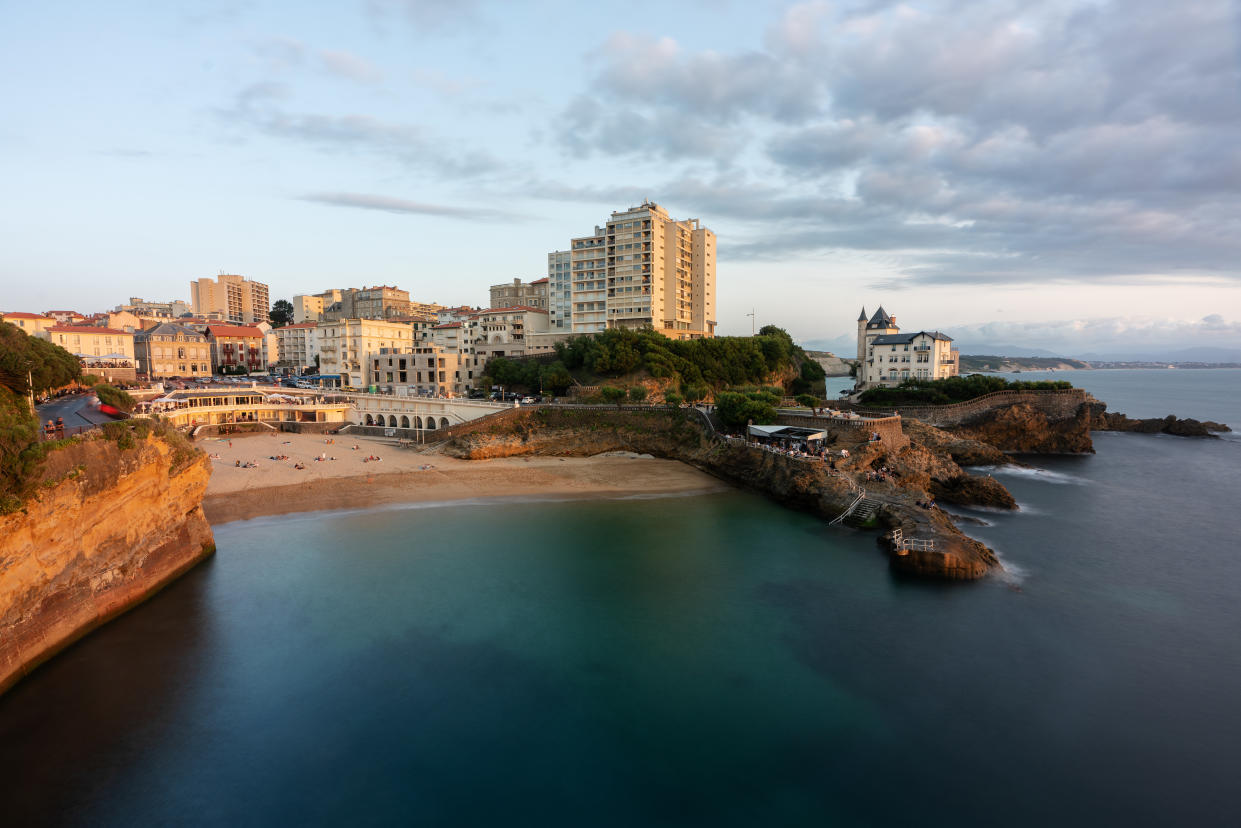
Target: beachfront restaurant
[809, 440]
[190, 409]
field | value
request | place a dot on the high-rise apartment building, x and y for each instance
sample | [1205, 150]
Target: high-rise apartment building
[643, 269]
[230, 297]
[559, 291]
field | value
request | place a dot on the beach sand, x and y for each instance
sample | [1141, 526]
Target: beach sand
[275, 487]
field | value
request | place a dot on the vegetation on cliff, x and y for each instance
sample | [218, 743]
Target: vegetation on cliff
[114, 397]
[950, 390]
[695, 365]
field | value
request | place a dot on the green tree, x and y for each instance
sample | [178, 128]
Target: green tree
[808, 400]
[556, 378]
[737, 409]
[673, 399]
[612, 394]
[637, 393]
[281, 313]
[28, 363]
[19, 449]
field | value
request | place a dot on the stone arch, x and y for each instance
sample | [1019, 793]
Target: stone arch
[417, 422]
[370, 420]
[430, 423]
[443, 422]
[392, 420]
[404, 421]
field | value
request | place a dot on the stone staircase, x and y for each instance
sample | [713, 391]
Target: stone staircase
[862, 512]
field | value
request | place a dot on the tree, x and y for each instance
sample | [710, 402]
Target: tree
[737, 409]
[612, 394]
[556, 378]
[281, 313]
[808, 400]
[114, 397]
[673, 399]
[28, 363]
[637, 393]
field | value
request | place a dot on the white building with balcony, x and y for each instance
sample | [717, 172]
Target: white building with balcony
[887, 357]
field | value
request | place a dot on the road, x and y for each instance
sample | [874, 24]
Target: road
[77, 412]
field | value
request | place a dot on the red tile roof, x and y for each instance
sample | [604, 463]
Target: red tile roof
[234, 330]
[23, 315]
[447, 325]
[90, 329]
[298, 325]
[540, 281]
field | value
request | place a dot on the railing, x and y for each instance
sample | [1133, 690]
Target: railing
[901, 544]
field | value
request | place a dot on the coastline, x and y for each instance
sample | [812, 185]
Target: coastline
[274, 487]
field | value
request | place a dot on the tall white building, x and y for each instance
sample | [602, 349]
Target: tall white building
[643, 269]
[230, 297]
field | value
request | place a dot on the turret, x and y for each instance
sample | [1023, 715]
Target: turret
[861, 339]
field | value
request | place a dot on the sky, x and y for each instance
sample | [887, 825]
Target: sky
[1061, 175]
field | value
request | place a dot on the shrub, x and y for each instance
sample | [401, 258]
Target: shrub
[114, 397]
[950, 390]
[637, 393]
[673, 399]
[808, 400]
[612, 394]
[737, 409]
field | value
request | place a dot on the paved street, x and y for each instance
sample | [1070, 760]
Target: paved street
[76, 410]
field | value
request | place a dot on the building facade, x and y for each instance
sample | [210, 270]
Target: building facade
[297, 346]
[560, 291]
[643, 269]
[32, 323]
[503, 331]
[172, 350]
[887, 357]
[236, 349]
[346, 347]
[230, 298]
[104, 352]
[425, 370]
[526, 294]
[155, 310]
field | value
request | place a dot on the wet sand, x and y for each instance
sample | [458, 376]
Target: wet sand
[275, 487]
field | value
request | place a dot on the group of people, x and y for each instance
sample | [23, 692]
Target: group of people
[880, 475]
[927, 504]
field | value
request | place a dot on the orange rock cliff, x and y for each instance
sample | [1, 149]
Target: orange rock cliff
[108, 529]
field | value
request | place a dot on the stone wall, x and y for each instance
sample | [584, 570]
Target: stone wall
[109, 528]
[1055, 404]
[891, 434]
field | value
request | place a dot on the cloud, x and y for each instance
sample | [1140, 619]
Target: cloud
[1010, 142]
[350, 66]
[260, 107]
[387, 204]
[426, 15]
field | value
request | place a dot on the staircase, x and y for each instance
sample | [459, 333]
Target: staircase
[862, 512]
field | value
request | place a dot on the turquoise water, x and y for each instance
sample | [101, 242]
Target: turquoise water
[706, 660]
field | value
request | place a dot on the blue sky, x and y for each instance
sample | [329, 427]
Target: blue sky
[1019, 172]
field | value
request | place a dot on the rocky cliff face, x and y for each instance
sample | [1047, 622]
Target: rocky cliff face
[109, 528]
[1025, 429]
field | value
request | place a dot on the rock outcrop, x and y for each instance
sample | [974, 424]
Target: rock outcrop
[806, 486]
[1188, 427]
[1024, 429]
[109, 527]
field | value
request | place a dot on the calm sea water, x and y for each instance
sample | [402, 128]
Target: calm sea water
[708, 660]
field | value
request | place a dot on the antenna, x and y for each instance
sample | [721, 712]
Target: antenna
[751, 315]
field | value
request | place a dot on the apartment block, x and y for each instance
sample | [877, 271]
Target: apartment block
[559, 291]
[527, 294]
[230, 298]
[426, 370]
[380, 302]
[642, 269]
[503, 331]
[347, 345]
[236, 349]
[297, 345]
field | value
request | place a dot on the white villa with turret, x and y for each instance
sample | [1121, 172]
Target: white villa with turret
[887, 357]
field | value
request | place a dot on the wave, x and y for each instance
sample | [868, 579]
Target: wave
[1035, 473]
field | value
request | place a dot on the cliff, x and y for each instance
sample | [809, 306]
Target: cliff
[1028, 429]
[805, 485]
[109, 527]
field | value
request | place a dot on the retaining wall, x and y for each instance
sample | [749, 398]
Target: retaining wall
[1060, 404]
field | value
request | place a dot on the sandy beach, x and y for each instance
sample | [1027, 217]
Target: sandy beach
[350, 481]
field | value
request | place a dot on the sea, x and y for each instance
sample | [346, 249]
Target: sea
[697, 660]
